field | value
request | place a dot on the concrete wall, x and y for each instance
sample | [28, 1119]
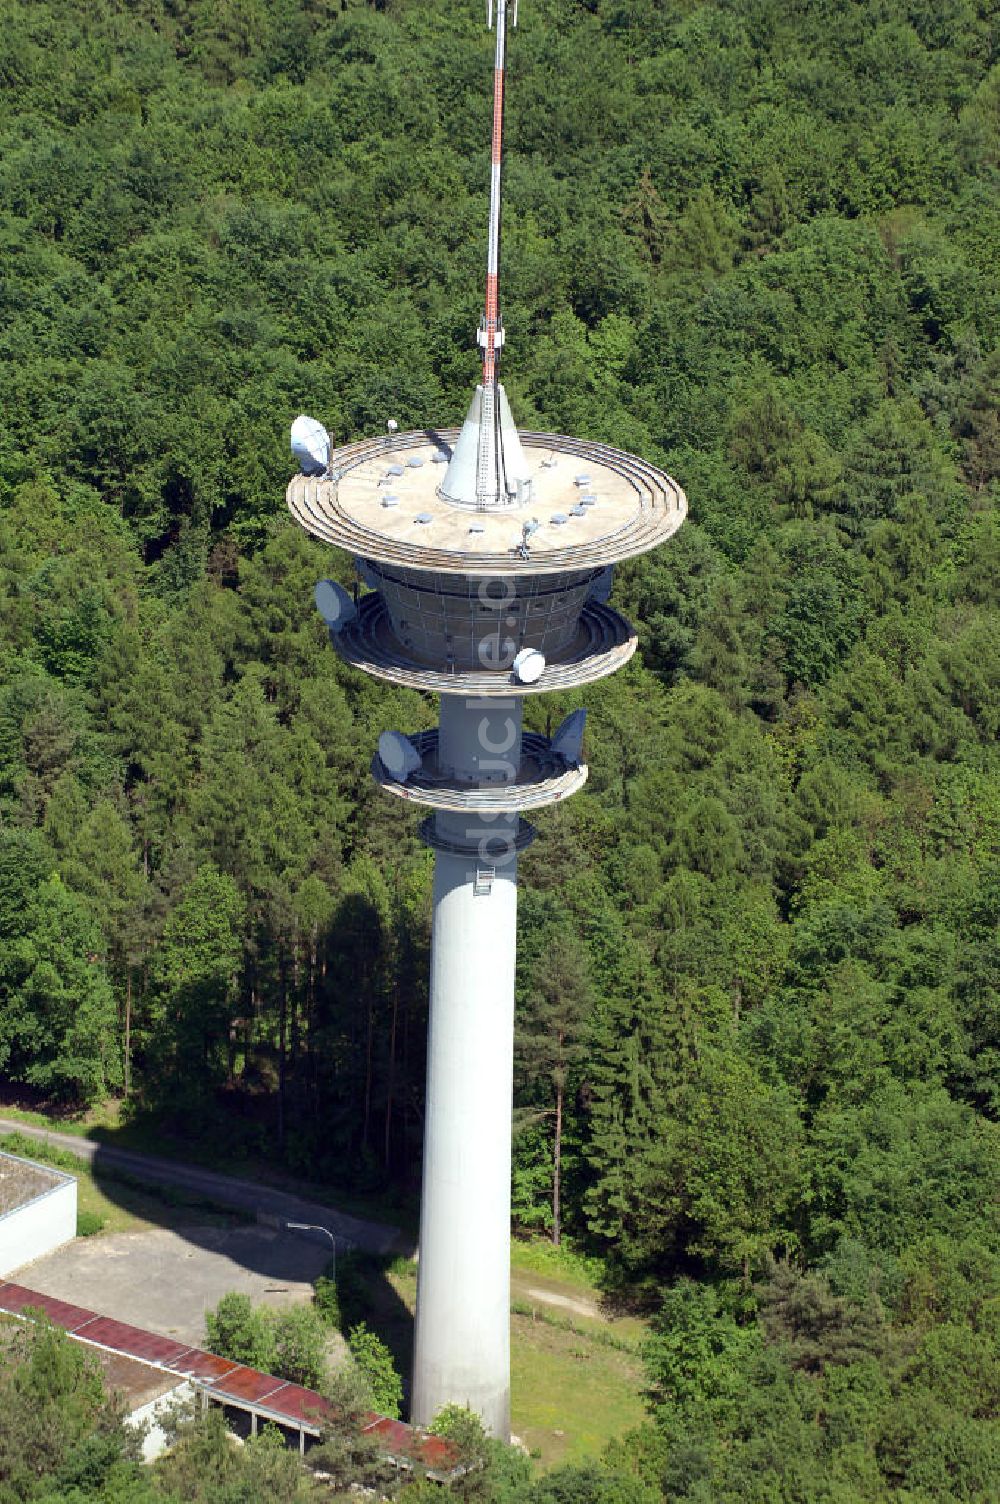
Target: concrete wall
[151, 1416]
[40, 1225]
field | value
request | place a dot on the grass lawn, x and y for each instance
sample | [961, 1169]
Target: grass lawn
[570, 1395]
[120, 1203]
[576, 1379]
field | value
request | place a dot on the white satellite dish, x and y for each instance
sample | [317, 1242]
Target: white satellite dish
[600, 590]
[398, 755]
[310, 445]
[568, 740]
[529, 666]
[334, 605]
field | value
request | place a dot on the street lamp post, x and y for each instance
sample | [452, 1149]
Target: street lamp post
[317, 1227]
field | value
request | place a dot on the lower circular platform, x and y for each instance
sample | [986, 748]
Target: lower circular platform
[604, 642]
[543, 777]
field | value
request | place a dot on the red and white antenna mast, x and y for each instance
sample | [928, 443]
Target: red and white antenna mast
[488, 468]
[491, 329]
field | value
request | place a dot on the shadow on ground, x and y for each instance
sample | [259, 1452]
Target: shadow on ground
[189, 1249]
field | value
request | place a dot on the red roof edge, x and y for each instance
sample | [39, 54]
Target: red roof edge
[230, 1383]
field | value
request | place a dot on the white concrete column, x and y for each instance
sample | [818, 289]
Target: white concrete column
[462, 1340]
[479, 741]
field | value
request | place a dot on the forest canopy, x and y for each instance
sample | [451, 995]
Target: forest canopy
[755, 241]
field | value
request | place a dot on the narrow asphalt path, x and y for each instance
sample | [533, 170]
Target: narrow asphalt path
[227, 1190]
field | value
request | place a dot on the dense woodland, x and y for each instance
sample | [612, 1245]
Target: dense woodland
[759, 977]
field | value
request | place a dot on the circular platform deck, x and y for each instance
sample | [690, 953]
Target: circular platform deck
[593, 504]
[604, 641]
[543, 777]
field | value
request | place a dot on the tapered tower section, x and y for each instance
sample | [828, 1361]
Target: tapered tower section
[487, 554]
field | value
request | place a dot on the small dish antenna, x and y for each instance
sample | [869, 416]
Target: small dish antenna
[334, 605]
[310, 445]
[568, 740]
[529, 666]
[398, 755]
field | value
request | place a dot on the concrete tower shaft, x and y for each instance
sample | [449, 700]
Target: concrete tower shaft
[462, 1346]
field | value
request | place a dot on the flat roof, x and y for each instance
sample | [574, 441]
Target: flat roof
[225, 1382]
[24, 1180]
[593, 504]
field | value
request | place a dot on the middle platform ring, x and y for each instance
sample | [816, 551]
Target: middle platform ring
[604, 641]
[543, 777]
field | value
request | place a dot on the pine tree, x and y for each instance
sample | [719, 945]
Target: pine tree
[550, 1035]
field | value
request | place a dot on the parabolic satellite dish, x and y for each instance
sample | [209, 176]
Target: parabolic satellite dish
[334, 604]
[398, 755]
[529, 666]
[310, 445]
[568, 740]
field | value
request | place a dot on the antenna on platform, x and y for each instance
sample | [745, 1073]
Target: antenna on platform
[310, 445]
[334, 605]
[491, 335]
[488, 468]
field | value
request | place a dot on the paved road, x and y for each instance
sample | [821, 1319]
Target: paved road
[245, 1195]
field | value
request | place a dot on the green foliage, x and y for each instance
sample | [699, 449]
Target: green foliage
[345, 1453]
[88, 1224]
[289, 1343]
[300, 1346]
[375, 1363]
[31, 1148]
[327, 1301]
[698, 1351]
[58, 1423]
[592, 1485]
[343, 1293]
[204, 1464]
[57, 1027]
[769, 1029]
[237, 1329]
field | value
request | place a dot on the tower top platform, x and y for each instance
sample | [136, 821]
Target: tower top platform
[381, 499]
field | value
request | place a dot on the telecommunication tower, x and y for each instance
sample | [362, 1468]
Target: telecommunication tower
[487, 554]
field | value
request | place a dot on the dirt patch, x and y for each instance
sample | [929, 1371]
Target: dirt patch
[565, 1302]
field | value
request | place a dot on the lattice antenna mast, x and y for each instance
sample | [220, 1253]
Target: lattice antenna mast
[491, 335]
